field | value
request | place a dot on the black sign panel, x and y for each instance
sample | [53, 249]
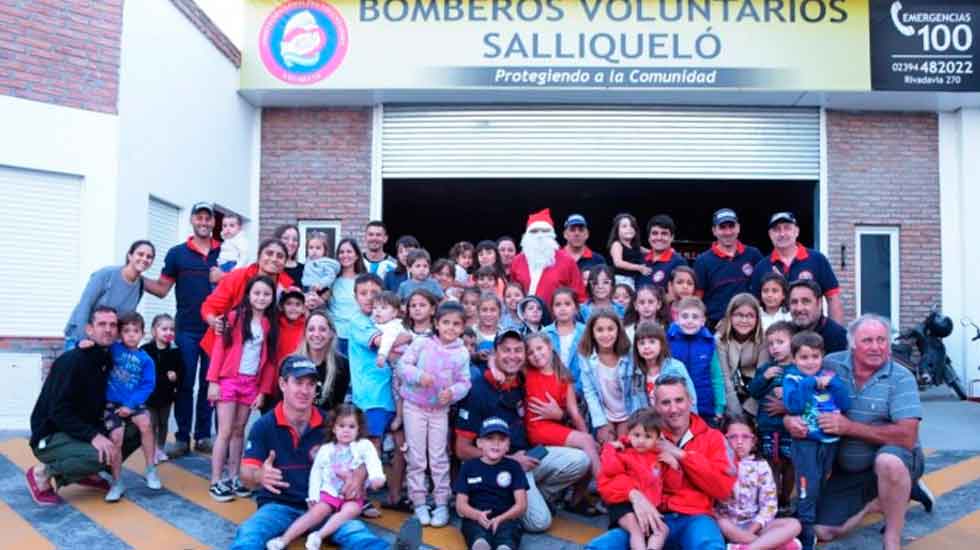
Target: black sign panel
[925, 45]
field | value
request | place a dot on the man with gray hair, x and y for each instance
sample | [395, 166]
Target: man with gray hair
[880, 461]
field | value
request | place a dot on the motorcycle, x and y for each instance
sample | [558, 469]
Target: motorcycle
[934, 367]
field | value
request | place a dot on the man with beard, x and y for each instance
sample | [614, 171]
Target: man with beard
[542, 267]
[804, 306]
[192, 266]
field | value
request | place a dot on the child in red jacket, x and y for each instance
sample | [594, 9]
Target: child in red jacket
[241, 374]
[634, 463]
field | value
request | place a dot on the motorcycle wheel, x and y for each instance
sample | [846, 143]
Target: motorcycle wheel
[954, 382]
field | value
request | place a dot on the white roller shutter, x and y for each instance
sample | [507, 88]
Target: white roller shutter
[633, 142]
[162, 227]
[39, 251]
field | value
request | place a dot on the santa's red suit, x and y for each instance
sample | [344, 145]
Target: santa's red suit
[564, 272]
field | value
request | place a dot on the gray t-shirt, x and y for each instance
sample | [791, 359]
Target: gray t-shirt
[106, 287]
[890, 395]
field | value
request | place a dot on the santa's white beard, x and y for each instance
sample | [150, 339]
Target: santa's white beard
[539, 249]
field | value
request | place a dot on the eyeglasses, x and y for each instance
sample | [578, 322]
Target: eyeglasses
[739, 437]
[744, 316]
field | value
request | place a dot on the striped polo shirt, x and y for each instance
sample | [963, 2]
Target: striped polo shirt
[890, 395]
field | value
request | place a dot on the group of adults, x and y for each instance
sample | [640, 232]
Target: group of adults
[879, 463]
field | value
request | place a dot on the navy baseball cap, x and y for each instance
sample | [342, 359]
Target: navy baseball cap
[724, 215]
[509, 333]
[575, 219]
[203, 205]
[297, 366]
[494, 425]
[782, 217]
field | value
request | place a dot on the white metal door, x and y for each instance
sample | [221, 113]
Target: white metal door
[39, 251]
[162, 227]
[613, 142]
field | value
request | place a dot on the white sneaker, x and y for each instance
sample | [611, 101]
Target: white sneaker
[275, 544]
[116, 491]
[440, 516]
[152, 479]
[422, 512]
[314, 541]
[160, 456]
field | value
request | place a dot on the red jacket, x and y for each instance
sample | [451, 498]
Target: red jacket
[707, 474]
[229, 293]
[291, 334]
[564, 272]
[225, 361]
[629, 469]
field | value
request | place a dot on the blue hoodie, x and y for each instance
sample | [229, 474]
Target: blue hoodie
[697, 352]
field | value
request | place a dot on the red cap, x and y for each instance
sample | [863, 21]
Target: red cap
[541, 217]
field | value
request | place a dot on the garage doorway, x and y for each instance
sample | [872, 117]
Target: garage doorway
[440, 212]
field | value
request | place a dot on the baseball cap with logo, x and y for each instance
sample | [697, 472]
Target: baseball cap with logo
[782, 217]
[725, 215]
[297, 366]
[509, 333]
[494, 425]
[576, 219]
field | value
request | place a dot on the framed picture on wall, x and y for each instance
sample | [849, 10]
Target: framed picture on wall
[330, 228]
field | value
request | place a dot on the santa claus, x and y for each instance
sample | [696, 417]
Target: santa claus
[542, 266]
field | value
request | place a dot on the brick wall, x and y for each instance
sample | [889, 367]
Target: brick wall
[203, 23]
[49, 348]
[884, 170]
[64, 52]
[316, 164]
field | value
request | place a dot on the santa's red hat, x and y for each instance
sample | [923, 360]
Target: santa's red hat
[541, 219]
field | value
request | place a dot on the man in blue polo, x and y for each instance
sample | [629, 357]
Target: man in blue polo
[277, 462]
[188, 266]
[726, 268]
[662, 258]
[794, 261]
[576, 234]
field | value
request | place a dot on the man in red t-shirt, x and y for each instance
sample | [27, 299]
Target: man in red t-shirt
[542, 267]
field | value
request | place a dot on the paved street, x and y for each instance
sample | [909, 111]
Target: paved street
[184, 517]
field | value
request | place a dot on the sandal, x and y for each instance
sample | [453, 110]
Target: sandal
[370, 511]
[403, 505]
[583, 508]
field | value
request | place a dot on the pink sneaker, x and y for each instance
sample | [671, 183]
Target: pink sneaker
[43, 497]
[794, 544]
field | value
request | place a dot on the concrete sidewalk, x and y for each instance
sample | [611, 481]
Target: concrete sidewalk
[949, 424]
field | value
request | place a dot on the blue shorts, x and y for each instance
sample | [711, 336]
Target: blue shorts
[377, 421]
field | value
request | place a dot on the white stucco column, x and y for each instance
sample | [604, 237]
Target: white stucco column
[959, 191]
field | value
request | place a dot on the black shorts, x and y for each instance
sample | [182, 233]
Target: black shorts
[508, 534]
[846, 493]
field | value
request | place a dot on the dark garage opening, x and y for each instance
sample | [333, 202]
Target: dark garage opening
[440, 212]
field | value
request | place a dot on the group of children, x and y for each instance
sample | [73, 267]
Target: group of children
[421, 335]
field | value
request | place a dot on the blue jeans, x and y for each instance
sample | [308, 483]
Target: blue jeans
[184, 410]
[272, 519]
[699, 532]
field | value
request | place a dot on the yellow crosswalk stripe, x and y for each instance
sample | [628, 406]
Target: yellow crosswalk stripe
[126, 520]
[438, 537]
[963, 533]
[18, 534]
[195, 489]
[943, 481]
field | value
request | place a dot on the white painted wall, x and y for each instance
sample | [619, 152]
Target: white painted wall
[41, 136]
[959, 195]
[185, 134]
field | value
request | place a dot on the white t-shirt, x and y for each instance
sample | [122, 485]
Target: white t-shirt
[565, 350]
[613, 400]
[252, 351]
